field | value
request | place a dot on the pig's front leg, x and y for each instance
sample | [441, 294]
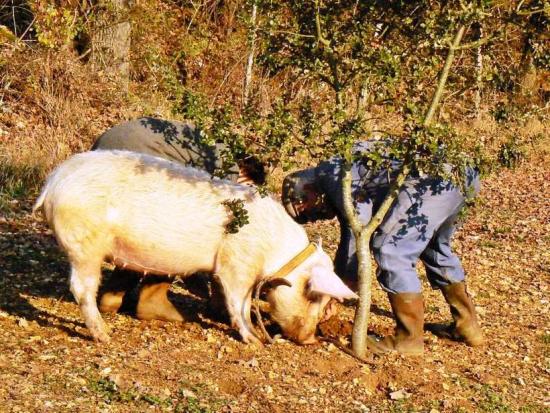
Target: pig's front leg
[238, 299]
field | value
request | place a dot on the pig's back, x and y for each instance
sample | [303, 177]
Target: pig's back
[146, 212]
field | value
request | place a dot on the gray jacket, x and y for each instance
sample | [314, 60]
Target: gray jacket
[176, 141]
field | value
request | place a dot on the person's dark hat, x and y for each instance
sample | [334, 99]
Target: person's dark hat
[295, 188]
[252, 167]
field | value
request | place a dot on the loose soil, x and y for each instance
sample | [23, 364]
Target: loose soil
[49, 363]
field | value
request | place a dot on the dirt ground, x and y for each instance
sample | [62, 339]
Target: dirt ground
[48, 362]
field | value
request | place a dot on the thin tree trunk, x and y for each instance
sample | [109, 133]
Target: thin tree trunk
[528, 71]
[443, 77]
[479, 73]
[362, 100]
[111, 41]
[363, 234]
[250, 61]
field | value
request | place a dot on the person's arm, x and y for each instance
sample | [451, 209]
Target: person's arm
[345, 261]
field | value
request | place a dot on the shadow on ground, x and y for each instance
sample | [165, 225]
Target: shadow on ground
[32, 266]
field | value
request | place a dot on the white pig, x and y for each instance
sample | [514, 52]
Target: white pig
[157, 217]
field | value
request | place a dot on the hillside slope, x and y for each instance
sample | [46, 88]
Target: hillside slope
[48, 363]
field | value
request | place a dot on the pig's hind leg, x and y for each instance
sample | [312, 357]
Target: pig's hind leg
[85, 279]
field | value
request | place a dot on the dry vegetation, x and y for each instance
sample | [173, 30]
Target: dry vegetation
[53, 104]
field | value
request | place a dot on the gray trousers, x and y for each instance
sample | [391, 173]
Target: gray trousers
[418, 226]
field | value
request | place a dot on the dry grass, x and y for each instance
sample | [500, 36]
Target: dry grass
[52, 107]
[52, 104]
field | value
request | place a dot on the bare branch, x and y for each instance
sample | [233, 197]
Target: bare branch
[320, 37]
[443, 77]
[250, 61]
[477, 43]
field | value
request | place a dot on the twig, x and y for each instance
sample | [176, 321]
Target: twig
[346, 350]
[308, 36]
[225, 79]
[13, 17]
[195, 12]
[83, 55]
[28, 28]
[250, 60]
[476, 44]
[443, 76]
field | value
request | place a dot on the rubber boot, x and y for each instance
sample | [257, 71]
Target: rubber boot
[408, 309]
[153, 302]
[465, 326]
[118, 292]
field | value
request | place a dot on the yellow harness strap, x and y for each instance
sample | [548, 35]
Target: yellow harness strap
[294, 262]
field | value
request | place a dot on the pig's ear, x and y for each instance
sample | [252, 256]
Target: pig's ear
[324, 281]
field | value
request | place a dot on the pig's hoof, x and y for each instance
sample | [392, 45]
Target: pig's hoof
[309, 341]
[102, 337]
[252, 339]
[101, 334]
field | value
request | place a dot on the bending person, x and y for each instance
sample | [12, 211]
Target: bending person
[419, 225]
